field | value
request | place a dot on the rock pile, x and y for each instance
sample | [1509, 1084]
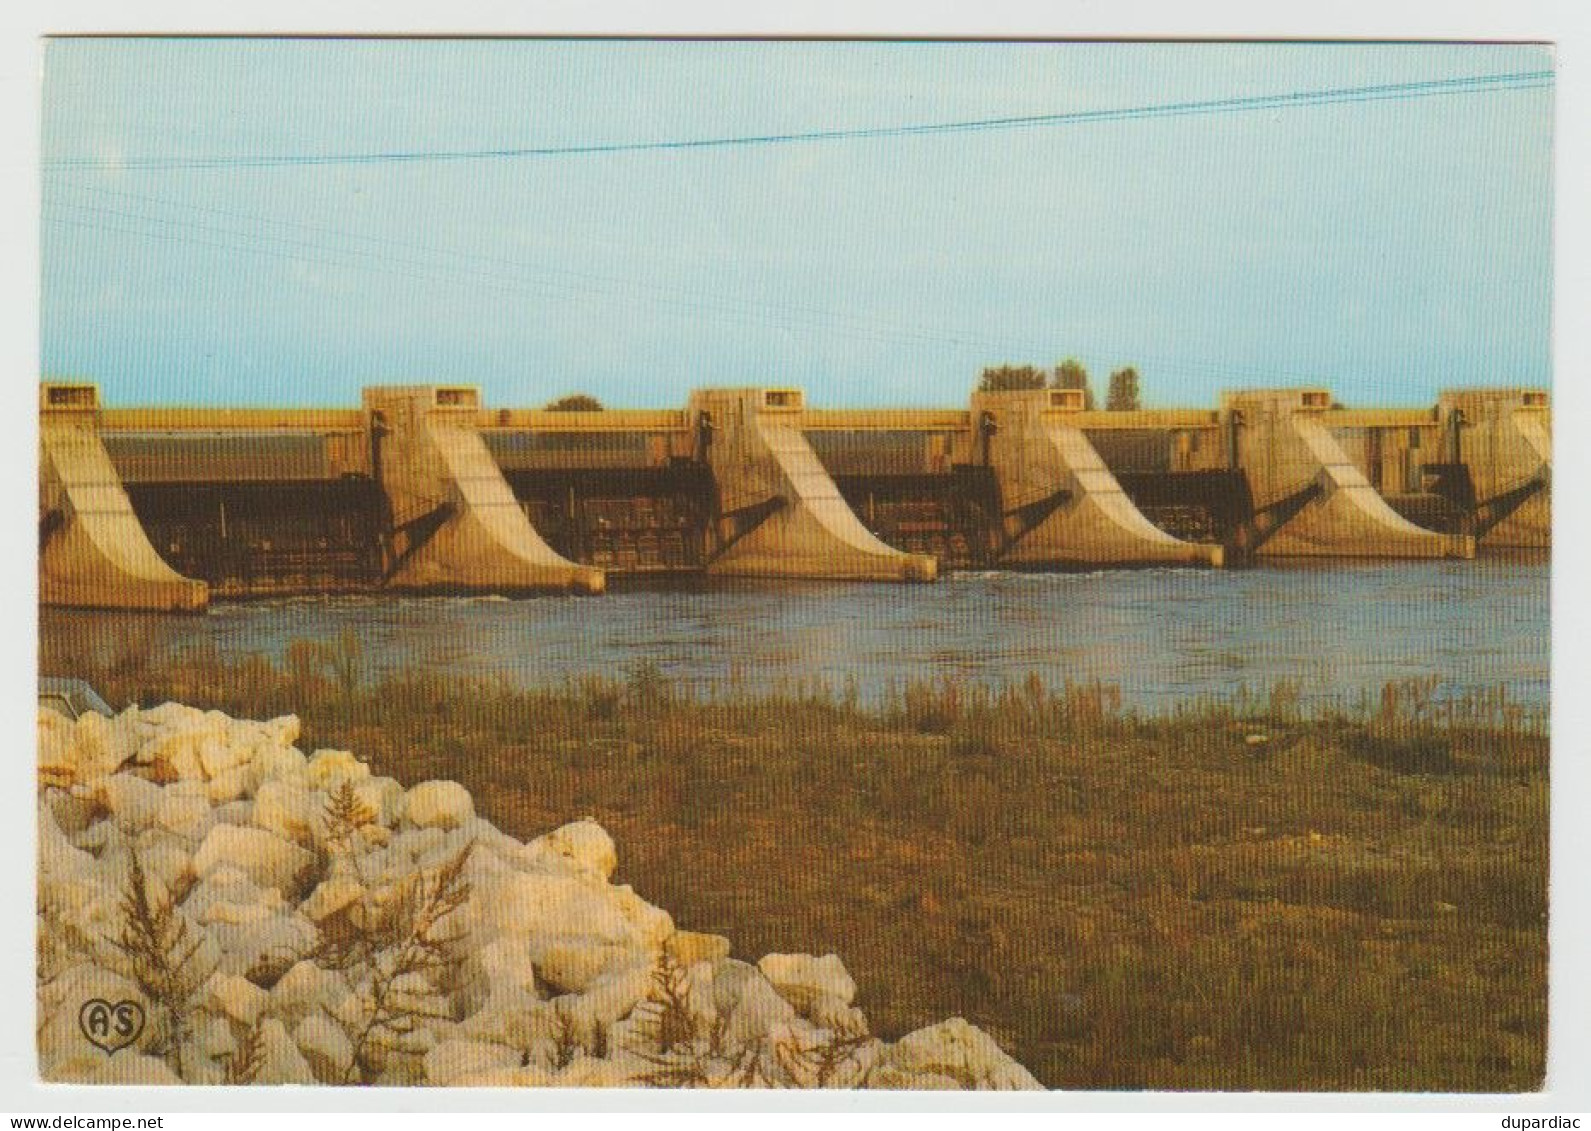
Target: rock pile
[283, 918]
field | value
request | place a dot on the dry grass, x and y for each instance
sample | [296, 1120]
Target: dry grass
[1356, 902]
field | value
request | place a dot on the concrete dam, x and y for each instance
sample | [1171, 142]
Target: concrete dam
[424, 489]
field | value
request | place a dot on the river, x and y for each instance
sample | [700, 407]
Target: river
[1338, 629]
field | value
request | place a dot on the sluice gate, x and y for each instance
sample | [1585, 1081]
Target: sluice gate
[424, 489]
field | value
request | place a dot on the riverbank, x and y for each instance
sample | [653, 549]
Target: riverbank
[1238, 896]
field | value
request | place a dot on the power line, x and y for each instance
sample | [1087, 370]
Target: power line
[1385, 92]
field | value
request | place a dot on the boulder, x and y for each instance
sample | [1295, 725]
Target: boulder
[229, 895]
[438, 804]
[280, 1060]
[502, 964]
[690, 947]
[750, 1007]
[233, 784]
[331, 897]
[384, 797]
[305, 989]
[225, 751]
[234, 997]
[325, 1047]
[583, 845]
[185, 810]
[450, 1062]
[265, 858]
[802, 979]
[570, 964]
[327, 769]
[288, 809]
[263, 950]
[953, 1050]
[134, 803]
[280, 763]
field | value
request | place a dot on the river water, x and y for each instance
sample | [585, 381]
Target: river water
[1339, 629]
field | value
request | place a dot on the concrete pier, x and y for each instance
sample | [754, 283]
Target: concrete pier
[1502, 438]
[456, 524]
[92, 550]
[1061, 506]
[1310, 499]
[779, 512]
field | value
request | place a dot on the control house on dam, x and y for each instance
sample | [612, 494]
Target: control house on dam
[425, 489]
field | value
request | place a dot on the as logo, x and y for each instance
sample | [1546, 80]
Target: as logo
[111, 1027]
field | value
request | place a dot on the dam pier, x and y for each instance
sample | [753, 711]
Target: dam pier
[422, 488]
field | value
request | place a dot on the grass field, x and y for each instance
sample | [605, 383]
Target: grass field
[1232, 896]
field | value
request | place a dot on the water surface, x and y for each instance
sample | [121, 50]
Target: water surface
[1339, 629]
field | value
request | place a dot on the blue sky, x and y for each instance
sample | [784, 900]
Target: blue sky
[1387, 249]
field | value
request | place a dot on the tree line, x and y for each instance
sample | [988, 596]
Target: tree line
[1122, 394]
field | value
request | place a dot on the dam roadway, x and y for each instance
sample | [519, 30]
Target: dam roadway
[422, 489]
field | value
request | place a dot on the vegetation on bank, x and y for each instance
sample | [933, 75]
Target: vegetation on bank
[1241, 895]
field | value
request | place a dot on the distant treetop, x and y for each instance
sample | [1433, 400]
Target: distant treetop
[1008, 377]
[576, 402]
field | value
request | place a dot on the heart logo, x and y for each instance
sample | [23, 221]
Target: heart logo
[108, 1026]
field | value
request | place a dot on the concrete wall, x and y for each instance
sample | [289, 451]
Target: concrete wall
[767, 472]
[1062, 506]
[93, 551]
[432, 462]
[1282, 443]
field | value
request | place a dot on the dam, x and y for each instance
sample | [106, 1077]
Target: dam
[423, 489]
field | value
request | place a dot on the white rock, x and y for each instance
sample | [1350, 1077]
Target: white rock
[264, 950]
[280, 1060]
[280, 763]
[134, 803]
[384, 797]
[225, 751]
[327, 769]
[59, 859]
[233, 783]
[330, 897]
[265, 858]
[604, 1003]
[438, 804]
[288, 809]
[511, 1017]
[502, 964]
[584, 844]
[234, 997]
[185, 810]
[72, 814]
[229, 895]
[325, 1047]
[751, 1007]
[570, 964]
[306, 989]
[953, 1049]
[802, 979]
[690, 947]
[453, 1060]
